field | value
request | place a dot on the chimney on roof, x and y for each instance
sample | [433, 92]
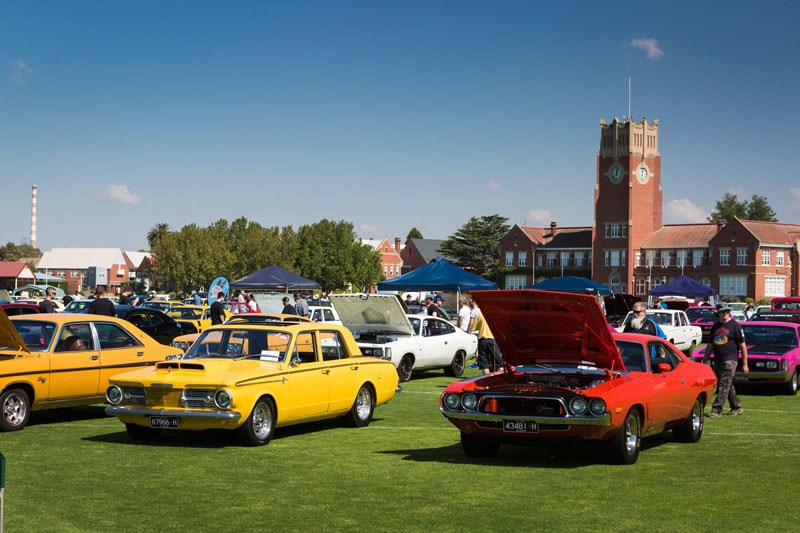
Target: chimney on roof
[397, 245]
[553, 226]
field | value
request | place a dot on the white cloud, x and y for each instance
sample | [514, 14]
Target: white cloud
[649, 46]
[368, 229]
[121, 193]
[493, 186]
[683, 211]
[539, 215]
[19, 71]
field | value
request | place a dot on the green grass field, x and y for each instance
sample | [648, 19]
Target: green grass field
[405, 472]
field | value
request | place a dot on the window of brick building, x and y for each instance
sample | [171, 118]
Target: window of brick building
[724, 257]
[522, 259]
[765, 258]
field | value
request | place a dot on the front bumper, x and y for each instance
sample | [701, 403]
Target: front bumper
[195, 419]
[603, 420]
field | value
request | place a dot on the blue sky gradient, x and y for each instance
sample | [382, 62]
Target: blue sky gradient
[385, 114]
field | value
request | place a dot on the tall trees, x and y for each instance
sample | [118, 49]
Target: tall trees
[414, 233]
[730, 207]
[156, 233]
[474, 245]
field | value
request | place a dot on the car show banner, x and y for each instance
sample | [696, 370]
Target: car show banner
[219, 285]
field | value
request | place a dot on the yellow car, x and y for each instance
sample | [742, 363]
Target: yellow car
[63, 360]
[197, 317]
[163, 305]
[184, 342]
[252, 378]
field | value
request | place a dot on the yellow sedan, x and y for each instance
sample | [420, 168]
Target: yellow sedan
[252, 378]
[64, 360]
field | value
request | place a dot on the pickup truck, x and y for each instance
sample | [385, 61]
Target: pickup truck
[676, 326]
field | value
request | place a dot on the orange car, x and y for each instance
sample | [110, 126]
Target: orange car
[566, 377]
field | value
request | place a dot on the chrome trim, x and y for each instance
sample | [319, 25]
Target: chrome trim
[603, 420]
[226, 416]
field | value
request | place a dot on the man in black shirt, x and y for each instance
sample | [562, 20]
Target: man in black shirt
[288, 308]
[47, 305]
[639, 322]
[218, 309]
[726, 341]
[101, 305]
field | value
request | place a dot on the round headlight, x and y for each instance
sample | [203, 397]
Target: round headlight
[451, 401]
[597, 406]
[578, 405]
[113, 394]
[469, 401]
[772, 365]
[223, 399]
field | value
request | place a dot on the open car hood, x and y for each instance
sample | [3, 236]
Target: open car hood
[10, 338]
[374, 312]
[533, 326]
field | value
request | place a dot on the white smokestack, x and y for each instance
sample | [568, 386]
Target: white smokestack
[33, 217]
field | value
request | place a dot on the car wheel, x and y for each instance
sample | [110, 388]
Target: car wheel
[790, 387]
[456, 367]
[137, 432]
[16, 409]
[623, 448]
[260, 425]
[475, 447]
[405, 367]
[691, 429]
[360, 414]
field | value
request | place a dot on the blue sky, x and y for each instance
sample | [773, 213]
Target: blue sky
[385, 114]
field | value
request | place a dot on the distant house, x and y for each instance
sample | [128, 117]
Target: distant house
[15, 274]
[391, 262]
[420, 252]
[86, 268]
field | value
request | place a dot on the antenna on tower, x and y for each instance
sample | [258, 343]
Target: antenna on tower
[629, 98]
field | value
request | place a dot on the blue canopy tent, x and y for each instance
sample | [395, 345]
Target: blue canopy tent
[683, 286]
[274, 278]
[572, 284]
[438, 275]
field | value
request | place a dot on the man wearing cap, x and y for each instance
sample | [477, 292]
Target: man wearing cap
[727, 340]
[288, 308]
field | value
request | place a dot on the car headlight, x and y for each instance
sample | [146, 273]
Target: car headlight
[772, 365]
[597, 406]
[470, 402]
[451, 401]
[578, 405]
[113, 394]
[223, 399]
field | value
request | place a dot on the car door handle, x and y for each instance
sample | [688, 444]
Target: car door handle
[94, 357]
[139, 354]
[326, 371]
[354, 367]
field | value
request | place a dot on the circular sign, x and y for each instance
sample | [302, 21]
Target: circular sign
[219, 286]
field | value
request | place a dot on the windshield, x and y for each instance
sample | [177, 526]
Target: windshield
[191, 314]
[770, 339]
[36, 334]
[236, 343]
[706, 314]
[662, 319]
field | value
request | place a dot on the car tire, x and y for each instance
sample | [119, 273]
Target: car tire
[137, 432]
[477, 448]
[360, 415]
[457, 365]
[790, 387]
[16, 409]
[691, 429]
[259, 427]
[405, 368]
[624, 446]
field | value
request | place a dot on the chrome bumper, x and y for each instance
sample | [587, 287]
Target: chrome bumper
[603, 420]
[227, 416]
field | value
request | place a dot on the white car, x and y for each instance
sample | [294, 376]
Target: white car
[321, 313]
[676, 326]
[412, 342]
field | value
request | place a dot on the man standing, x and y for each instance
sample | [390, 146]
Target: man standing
[430, 307]
[197, 299]
[727, 340]
[218, 309]
[463, 315]
[101, 305]
[47, 305]
[639, 322]
[300, 305]
[440, 311]
[489, 357]
[288, 309]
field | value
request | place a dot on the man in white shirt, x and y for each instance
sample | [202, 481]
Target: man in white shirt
[463, 315]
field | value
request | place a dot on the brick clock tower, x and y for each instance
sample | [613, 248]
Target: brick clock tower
[627, 200]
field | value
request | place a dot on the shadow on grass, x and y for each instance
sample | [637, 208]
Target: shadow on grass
[579, 455]
[68, 414]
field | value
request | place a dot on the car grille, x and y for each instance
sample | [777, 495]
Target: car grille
[133, 396]
[521, 406]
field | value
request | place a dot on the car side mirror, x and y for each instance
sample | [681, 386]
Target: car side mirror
[663, 367]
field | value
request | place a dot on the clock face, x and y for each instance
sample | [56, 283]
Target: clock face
[615, 174]
[642, 174]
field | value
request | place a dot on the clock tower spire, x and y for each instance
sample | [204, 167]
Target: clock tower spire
[627, 199]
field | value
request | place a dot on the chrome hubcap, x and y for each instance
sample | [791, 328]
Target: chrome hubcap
[363, 404]
[262, 420]
[697, 417]
[14, 409]
[631, 435]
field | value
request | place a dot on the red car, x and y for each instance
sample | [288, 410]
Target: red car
[14, 309]
[566, 378]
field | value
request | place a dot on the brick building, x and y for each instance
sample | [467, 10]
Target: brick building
[630, 248]
[391, 262]
[80, 266]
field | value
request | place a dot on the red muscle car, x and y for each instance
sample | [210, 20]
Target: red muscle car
[567, 378]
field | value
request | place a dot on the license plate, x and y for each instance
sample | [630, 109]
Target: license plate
[519, 426]
[165, 422]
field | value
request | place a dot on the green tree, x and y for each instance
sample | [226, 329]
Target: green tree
[474, 245]
[156, 233]
[414, 234]
[730, 207]
[759, 209]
